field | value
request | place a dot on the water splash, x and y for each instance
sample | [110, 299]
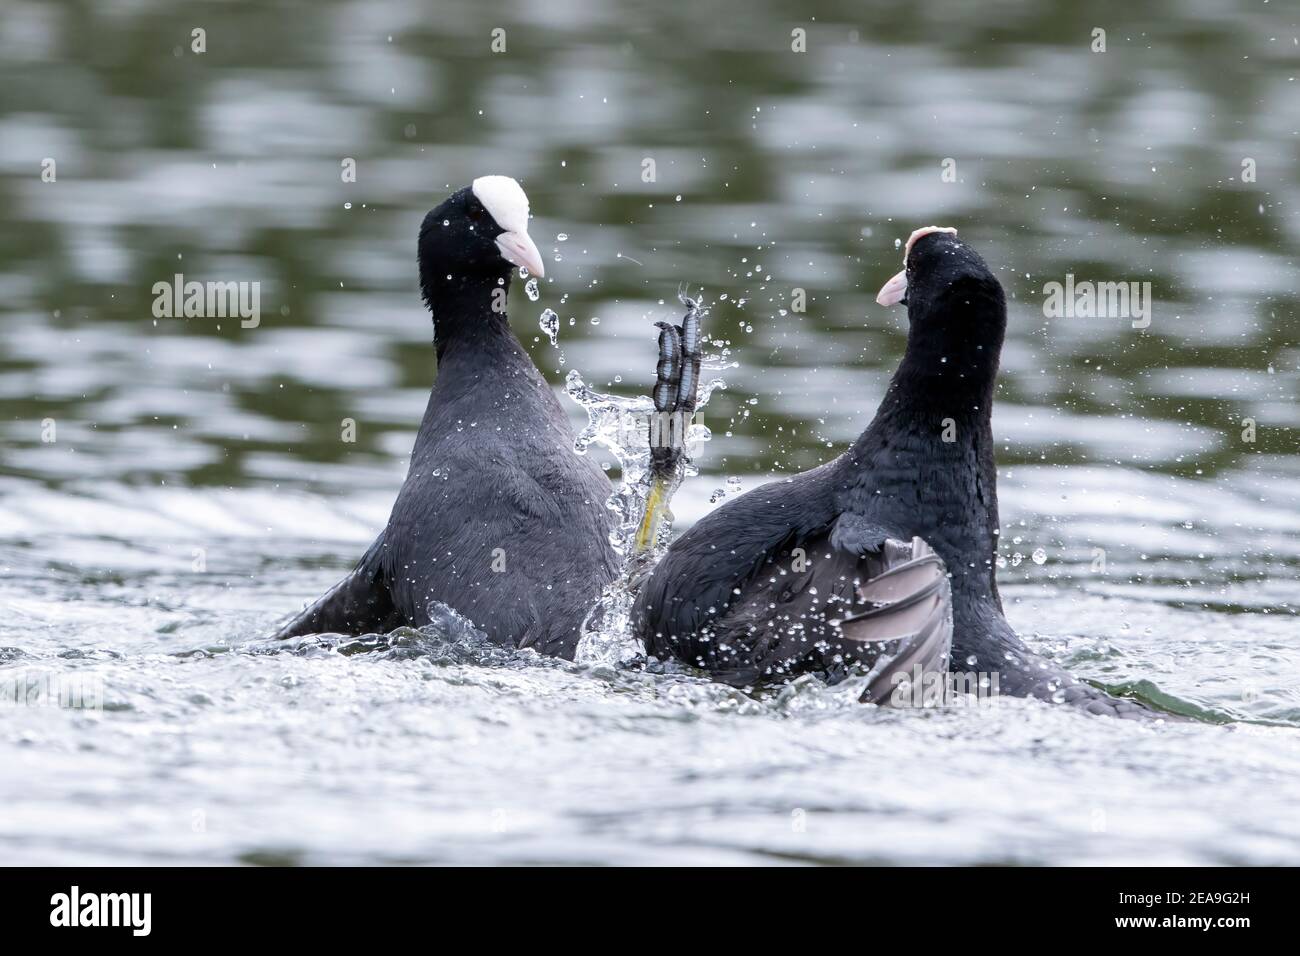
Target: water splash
[549, 323]
[622, 426]
[530, 287]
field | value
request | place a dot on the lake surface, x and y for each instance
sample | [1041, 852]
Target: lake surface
[172, 488]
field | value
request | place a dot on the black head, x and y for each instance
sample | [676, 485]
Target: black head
[956, 310]
[474, 238]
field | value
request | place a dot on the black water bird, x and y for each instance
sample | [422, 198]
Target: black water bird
[498, 519]
[879, 546]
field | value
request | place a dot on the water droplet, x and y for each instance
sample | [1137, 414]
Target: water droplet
[562, 237]
[1039, 556]
[530, 287]
[549, 323]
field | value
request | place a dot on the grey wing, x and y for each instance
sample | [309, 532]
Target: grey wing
[909, 622]
[817, 608]
[359, 604]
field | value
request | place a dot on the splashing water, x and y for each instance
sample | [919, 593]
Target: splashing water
[530, 287]
[622, 426]
[619, 424]
[549, 323]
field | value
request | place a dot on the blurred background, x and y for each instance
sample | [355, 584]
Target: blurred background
[774, 170]
[198, 489]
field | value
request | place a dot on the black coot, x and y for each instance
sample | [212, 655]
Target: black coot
[835, 565]
[498, 519]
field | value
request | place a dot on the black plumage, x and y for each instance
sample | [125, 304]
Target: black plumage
[726, 596]
[498, 519]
